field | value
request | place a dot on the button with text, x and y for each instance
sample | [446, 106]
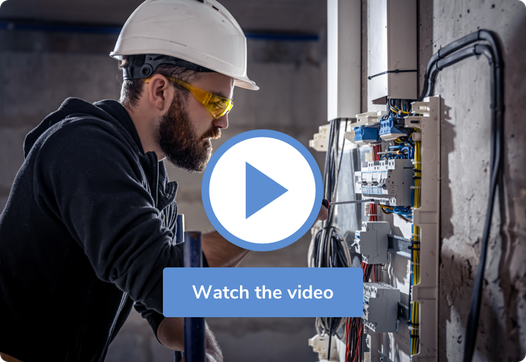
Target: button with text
[263, 292]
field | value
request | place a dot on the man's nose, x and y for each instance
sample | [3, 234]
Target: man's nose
[221, 122]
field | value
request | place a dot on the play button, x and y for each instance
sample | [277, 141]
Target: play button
[262, 190]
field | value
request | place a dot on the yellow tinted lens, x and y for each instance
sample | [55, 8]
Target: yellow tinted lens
[219, 106]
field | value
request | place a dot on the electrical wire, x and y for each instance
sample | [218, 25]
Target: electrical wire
[328, 248]
[354, 326]
[414, 307]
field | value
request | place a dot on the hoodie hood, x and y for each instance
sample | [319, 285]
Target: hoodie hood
[108, 110]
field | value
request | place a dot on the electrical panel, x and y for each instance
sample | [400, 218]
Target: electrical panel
[388, 182]
[382, 178]
[371, 241]
[391, 177]
[380, 305]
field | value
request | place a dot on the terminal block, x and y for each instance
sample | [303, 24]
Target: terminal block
[320, 345]
[380, 306]
[392, 128]
[364, 119]
[364, 135]
[371, 241]
[320, 140]
[388, 182]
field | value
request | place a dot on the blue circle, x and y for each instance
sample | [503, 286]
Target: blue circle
[205, 190]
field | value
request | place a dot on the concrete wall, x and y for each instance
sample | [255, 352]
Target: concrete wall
[465, 130]
[465, 89]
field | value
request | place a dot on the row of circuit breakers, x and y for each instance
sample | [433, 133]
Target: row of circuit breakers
[389, 183]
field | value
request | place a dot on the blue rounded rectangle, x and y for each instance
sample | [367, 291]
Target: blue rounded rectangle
[263, 292]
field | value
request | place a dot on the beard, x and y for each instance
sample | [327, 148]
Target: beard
[179, 141]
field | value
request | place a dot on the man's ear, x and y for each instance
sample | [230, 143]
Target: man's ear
[160, 92]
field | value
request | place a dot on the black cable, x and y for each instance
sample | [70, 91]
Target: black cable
[496, 161]
[478, 49]
[449, 55]
[452, 47]
[328, 248]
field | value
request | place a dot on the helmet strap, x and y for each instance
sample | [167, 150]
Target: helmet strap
[143, 65]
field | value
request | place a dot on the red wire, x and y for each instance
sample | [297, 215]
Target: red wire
[376, 149]
[359, 333]
[359, 328]
[347, 339]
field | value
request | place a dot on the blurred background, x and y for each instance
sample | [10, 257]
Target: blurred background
[51, 50]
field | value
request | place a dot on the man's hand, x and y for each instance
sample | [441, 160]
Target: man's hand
[171, 334]
[212, 350]
[220, 252]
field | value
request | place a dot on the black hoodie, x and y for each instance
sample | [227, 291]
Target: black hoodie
[87, 229]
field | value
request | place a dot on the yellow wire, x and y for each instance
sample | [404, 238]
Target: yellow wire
[415, 307]
[399, 110]
[386, 207]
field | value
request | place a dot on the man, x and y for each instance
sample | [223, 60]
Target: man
[90, 222]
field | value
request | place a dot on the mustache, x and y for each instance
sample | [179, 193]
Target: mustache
[213, 133]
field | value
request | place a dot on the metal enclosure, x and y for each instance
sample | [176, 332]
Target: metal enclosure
[343, 58]
[392, 62]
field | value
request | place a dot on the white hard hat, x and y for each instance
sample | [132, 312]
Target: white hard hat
[203, 33]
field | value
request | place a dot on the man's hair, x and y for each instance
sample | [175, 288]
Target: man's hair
[132, 88]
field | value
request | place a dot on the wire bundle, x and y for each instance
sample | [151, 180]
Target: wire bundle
[353, 339]
[402, 211]
[328, 248]
[415, 279]
[402, 103]
[354, 326]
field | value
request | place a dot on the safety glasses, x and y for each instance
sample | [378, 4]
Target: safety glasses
[217, 105]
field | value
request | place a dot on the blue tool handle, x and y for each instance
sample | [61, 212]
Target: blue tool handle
[179, 239]
[179, 234]
[178, 356]
[193, 254]
[194, 328]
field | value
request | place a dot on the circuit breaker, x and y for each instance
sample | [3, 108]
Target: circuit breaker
[380, 307]
[371, 241]
[388, 181]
